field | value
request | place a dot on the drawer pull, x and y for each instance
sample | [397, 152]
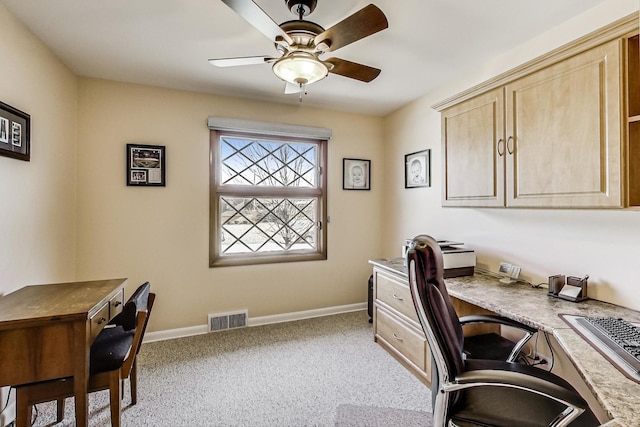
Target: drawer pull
[117, 303]
[397, 337]
[397, 297]
[101, 320]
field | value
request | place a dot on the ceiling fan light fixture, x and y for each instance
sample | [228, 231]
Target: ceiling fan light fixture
[300, 68]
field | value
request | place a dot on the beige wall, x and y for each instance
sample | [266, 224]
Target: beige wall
[603, 244]
[161, 234]
[37, 198]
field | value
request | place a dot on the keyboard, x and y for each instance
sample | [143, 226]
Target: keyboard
[617, 339]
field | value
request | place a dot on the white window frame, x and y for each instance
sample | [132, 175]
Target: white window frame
[222, 126]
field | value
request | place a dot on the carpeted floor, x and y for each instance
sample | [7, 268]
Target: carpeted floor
[371, 416]
[318, 372]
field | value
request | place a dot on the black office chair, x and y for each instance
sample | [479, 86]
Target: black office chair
[491, 346]
[488, 345]
[112, 360]
[475, 392]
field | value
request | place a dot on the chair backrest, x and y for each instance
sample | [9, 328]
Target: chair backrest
[136, 302]
[142, 319]
[116, 347]
[434, 308]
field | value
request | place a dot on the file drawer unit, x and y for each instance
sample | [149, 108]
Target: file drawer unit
[395, 324]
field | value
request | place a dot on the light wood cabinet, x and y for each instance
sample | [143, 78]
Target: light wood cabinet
[395, 324]
[564, 138]
[550, 133]
[473, 151]
[633, 119]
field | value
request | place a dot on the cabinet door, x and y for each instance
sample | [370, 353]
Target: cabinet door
[472, 149]
[564, 133]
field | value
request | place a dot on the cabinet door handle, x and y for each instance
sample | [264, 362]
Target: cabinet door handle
[500, 147]
[397, 297]
[101, 320]
[397, 337]
[117, 303]
[510, 145]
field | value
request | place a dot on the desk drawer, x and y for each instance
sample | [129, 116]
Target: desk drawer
[115, 304]
[402, 337]
[99, 320]
[396, 295]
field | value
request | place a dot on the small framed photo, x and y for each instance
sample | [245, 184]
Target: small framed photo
[356, 174]
[146, 165]
[417, 169]
[15, 133]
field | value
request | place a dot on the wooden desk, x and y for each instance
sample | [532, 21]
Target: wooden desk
[46, 332]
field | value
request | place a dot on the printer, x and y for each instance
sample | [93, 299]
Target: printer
[458, 260]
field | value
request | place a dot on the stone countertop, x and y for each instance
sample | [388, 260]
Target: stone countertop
[520, 301]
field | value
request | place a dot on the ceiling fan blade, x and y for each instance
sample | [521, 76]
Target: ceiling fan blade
[368, 20]
[353, 70]
[257, 17]
[243, 60]
[290, 88]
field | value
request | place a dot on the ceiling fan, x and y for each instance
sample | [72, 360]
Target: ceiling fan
[300, 44]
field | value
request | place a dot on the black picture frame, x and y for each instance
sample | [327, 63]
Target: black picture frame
[356, 174]
[146, 165]
[417, 169]
[15, 133]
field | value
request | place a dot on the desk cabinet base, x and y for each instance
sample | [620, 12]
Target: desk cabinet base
[396, 326]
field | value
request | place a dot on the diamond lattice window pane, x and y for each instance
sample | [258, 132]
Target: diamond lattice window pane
[267, 224]
[268, 163]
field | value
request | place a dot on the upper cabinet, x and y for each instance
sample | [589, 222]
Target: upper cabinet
[473, 149]
[563, 133]
[551, 133]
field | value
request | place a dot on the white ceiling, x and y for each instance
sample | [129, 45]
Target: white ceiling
[168, 42]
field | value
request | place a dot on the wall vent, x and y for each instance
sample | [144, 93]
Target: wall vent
[223, 321]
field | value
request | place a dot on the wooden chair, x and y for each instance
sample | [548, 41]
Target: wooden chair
[113, 359]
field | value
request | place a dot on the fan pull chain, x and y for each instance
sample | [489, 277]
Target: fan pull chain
[303, 91]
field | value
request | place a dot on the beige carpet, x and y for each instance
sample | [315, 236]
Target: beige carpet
[326, 371]
[371, 416]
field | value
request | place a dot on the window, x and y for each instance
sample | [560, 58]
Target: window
[268, 193]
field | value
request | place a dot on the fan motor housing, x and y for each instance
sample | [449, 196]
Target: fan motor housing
[303, 33]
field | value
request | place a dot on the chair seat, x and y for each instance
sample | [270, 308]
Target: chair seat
[488, 346]
[510, 407]
[110, 349]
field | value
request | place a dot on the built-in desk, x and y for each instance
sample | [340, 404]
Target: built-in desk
[46, 332]
[618, 395]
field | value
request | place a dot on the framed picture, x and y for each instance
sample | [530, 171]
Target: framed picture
[417, 169]
[15, 133]
[145, 165]
[356, 174]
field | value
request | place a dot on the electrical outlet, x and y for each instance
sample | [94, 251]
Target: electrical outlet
[509, 272]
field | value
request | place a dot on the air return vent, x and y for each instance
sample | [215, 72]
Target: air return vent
[223, 321]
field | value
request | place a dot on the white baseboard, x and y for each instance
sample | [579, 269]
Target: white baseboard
[256, 321]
